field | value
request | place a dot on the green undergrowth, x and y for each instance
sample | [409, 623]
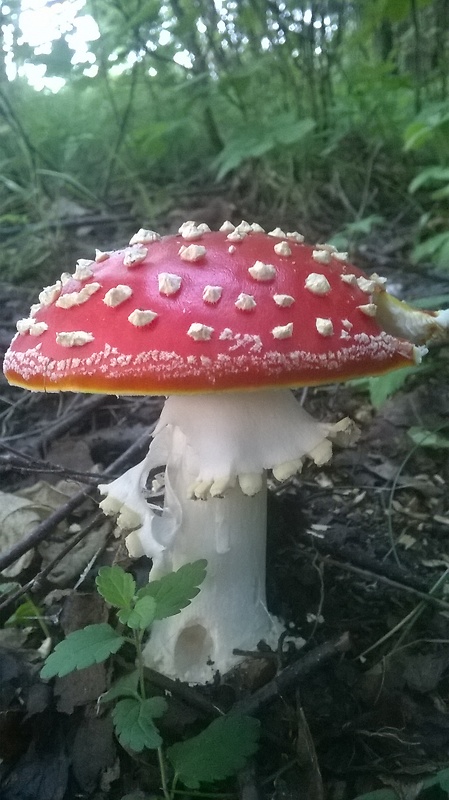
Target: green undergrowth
[333, 118]
[217, 752]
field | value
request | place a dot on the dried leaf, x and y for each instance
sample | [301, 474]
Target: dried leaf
[18, 517]
[73, 564]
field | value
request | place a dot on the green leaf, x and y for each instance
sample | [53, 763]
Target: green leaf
[137, 795]
[133, 721]
[426, 438]
[80, 649]
[434, 301]
[25, 614]
[400, 9]
[441, 779]
[142, 615]
[379, 794]
[116, 586]
[290, 132]
[429, 175]
[59, 60]
[435, 247]
[126, 686]
[416, 134]
[383, 386]
[11, 586]
[353, 230]
[441, 194]
[253, 141]
[218, 752]
[175, 591]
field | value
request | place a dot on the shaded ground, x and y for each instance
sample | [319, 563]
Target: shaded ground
[359, 547]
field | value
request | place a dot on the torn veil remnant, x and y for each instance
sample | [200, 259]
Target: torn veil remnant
[224, 323]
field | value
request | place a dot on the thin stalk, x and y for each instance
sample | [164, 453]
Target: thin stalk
[162, 769]
[138, 637]
[406, 623]
[419, 610]
[394, 484]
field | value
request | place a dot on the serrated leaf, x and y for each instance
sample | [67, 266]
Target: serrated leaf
[174, 591]
[80, 649]
[126, 686]
[133, 721]
[218, 752]
[143, 613]
[116, 586]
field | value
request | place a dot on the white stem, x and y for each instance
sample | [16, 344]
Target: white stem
[217, 448]
[230, 610]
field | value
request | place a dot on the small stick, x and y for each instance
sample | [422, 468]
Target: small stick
[289, 676]
[376, 576]
[186, 693]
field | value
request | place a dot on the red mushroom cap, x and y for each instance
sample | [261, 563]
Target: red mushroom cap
[202, 311]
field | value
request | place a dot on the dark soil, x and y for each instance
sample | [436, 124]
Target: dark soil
[359, 547]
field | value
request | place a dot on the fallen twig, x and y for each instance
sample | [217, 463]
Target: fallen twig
[369, 575]
[60, 426]
[288, 677]
[20, 462]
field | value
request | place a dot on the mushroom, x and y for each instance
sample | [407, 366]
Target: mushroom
[224, 323]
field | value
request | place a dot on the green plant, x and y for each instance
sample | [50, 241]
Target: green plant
[250, 141]
[218, 751]
[381, 387]
[355, 230]
[27, 614]
[439, 783]
[429, 132]
[434, 439]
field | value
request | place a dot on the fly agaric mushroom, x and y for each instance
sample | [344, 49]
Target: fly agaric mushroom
[224, 323]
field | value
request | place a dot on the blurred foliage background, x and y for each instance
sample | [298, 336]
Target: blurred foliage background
[331, 116]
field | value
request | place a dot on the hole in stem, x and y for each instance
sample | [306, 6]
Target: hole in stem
[193, 647]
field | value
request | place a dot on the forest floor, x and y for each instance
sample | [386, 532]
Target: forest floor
[358, 564]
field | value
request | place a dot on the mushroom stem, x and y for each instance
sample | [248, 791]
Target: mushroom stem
[217, 449]
[230, 610]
